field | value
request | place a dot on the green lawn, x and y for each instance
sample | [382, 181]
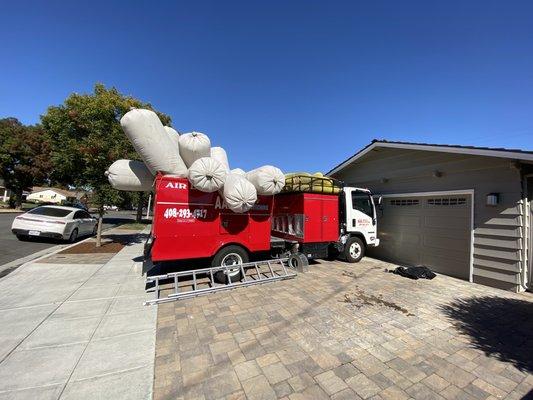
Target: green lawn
[136, 226]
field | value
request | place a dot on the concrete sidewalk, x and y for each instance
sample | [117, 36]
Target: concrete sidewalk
[77, 330]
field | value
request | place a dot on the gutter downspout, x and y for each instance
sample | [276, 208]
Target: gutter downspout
[526, 232]
[524, 272]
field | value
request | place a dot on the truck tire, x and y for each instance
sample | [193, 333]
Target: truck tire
[230, 255]
[298, 261]
[354, 250]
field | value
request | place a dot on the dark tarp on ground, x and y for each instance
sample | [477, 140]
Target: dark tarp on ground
[415, 272]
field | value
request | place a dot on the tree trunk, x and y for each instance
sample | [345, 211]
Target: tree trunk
[140, 204]
[18, 199]
[99, 230]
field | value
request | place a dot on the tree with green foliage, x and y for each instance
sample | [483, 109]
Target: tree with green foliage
[87, 138]
[24, 157]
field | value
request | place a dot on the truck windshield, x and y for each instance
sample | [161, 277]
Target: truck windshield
[361, 202]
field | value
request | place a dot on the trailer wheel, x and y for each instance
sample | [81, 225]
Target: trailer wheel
[231, 255]
[354, 250]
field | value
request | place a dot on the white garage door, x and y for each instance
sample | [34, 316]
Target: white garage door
[430, 230]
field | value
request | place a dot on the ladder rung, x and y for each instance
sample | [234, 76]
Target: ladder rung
[246, 280]
[270, 267]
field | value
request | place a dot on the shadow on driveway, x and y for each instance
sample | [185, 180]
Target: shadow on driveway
[500, 327]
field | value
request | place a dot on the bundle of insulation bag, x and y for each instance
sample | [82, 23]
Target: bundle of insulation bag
[190, 156]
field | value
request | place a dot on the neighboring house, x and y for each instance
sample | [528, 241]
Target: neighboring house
[53, 195]
[5, 193]
[462, 211]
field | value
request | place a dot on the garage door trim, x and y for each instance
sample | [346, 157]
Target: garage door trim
[444, 193]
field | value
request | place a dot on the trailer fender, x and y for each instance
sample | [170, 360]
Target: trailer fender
[223, 245]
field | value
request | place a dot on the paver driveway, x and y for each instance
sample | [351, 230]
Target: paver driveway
[346, 331]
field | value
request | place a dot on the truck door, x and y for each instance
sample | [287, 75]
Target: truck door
[360, 213]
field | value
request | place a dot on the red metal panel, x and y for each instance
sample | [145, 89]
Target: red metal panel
[330, 219]
[313, 218]
[318, 215]
[192, 224]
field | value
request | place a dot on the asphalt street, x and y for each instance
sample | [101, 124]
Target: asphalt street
[12, 249]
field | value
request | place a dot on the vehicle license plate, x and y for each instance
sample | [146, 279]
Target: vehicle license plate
[34, 233]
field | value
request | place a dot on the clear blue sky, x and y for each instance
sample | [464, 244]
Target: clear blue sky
[298, 84]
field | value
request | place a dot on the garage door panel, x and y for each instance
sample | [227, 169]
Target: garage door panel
[404, 220]
[439, 242]
[445, 265]
[406, 254]
[441, 251]
[452, 223]
[399, 237]
[462, 234]
[435, 232]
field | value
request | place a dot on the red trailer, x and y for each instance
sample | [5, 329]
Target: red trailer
[190, 224]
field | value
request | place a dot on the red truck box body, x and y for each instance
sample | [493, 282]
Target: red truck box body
[306, 217]
[192, 224]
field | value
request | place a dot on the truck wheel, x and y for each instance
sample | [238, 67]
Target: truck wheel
[354, 250]
[231, 255]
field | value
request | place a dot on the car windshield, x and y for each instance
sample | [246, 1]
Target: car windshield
[50, 211]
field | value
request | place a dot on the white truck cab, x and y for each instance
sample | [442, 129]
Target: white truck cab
[359, 224]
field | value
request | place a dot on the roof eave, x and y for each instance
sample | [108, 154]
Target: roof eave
[441, 149]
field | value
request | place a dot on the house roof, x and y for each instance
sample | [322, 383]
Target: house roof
[66, 193]
[515, 154]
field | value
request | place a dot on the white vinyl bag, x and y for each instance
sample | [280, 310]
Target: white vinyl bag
[129, 175]
[238, 193]
[207, 174]
[174, 136]
[151, 141]
[238, 171]
[268, 180]
[219, 154]
[194, 145]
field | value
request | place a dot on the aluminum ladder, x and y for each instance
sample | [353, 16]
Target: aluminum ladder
[201, 281]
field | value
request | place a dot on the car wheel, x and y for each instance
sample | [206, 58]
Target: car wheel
[95, 230]
[228, 256]
[73, 236]
[23, 238]
[354, 250]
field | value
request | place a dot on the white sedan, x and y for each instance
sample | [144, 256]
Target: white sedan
[57, 222]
